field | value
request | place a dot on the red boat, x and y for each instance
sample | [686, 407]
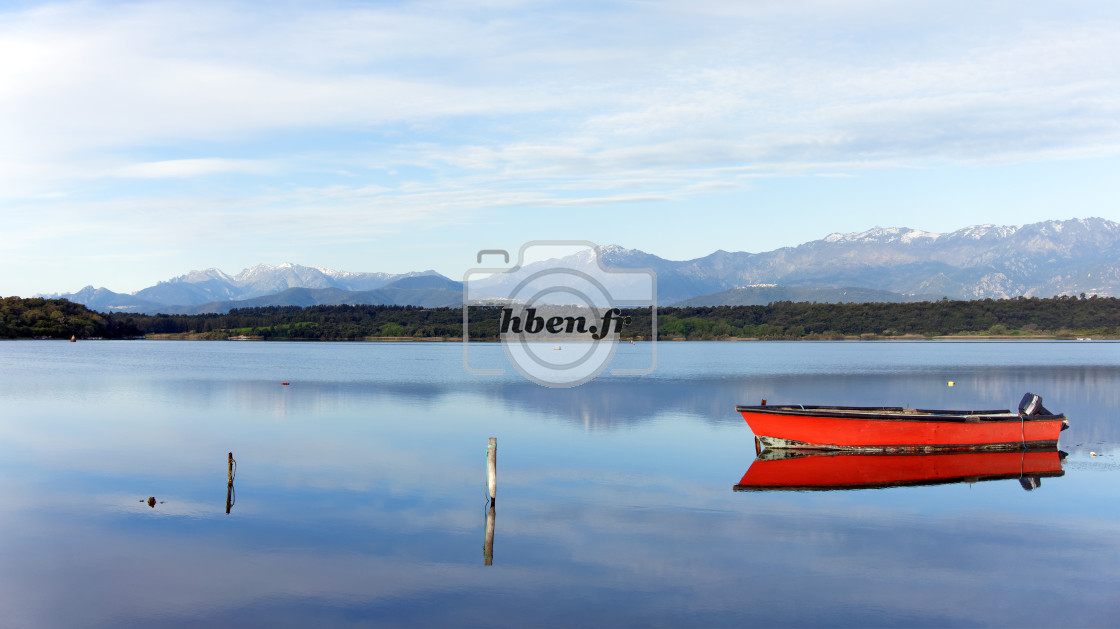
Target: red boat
[800, 470]
[878, 429]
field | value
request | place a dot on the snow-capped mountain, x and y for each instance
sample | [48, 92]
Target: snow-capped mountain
[981, 261]
[214, 285]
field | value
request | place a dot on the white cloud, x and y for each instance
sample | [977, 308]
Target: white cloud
[92, 78]
[192, 168]
[354, 119]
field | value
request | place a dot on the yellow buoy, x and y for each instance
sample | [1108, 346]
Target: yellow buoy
[950, 383]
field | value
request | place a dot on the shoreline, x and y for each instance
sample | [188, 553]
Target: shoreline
[187, 336]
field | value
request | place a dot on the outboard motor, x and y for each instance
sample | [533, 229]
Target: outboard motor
[1031, 404]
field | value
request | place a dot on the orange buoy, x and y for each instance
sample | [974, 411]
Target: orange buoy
[285, 383]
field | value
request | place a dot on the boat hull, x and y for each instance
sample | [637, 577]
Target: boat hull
[894, 429]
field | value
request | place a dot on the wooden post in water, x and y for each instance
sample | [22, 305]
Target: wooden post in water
[492, 485]
[229, 485]
[492, 468]
[488, 545]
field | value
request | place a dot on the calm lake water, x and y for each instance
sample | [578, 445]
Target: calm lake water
[360, 496]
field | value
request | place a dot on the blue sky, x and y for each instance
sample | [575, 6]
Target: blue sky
[139, 141]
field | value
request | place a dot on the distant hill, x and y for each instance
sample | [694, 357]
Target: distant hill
[770, 293]
[105, 300]
[427, 291]
[213, 290]
[984, 261]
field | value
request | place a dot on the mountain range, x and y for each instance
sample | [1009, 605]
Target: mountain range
[881, 264]
[288, 284]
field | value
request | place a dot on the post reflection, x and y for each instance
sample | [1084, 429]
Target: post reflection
[488, 544]
[792, 470]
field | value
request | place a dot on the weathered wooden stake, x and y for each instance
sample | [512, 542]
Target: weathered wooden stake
[488, 545]
[232, 470]
[492, 467]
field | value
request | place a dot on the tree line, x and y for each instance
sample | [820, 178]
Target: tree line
[1035, 317]
[36, 317]
[1057, 317]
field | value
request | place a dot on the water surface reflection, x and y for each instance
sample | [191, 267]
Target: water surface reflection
[792, 470]
[361, 485]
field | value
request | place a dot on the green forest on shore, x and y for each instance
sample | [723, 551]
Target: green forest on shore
[1057, 317]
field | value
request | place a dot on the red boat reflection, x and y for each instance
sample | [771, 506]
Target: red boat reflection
[794, 470]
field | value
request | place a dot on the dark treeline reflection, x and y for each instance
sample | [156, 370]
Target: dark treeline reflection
[1089, 396]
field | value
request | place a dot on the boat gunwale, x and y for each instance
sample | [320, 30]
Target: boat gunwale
[896, 413]
[781, 443]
